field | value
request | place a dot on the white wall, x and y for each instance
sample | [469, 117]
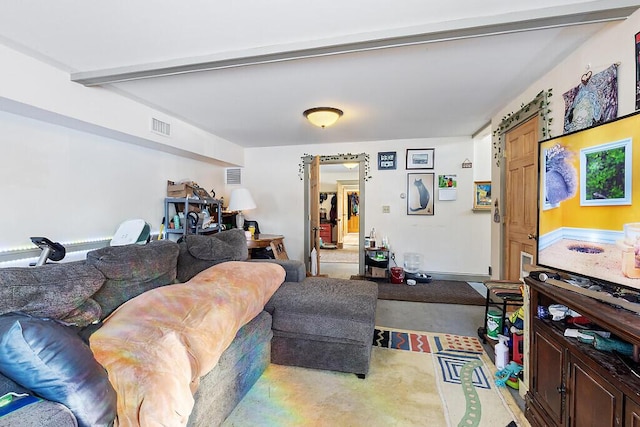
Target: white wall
[32, 88]
[615, 43]
[73, 186]
[454, 240]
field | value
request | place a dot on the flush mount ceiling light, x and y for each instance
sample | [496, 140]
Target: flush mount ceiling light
[323, 116]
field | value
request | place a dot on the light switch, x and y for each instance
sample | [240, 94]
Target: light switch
[386, 209]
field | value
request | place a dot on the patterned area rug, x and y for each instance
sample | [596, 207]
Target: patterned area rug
[415, 379]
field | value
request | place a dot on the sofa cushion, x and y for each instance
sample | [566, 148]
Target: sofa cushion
[51, 290]
[52, 361]
[133, 269]
[199, 252]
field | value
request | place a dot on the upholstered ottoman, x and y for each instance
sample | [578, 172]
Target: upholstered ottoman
[324, 323]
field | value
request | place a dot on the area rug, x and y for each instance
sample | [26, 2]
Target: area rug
[347, 255]
[415, 379]
[437, 291]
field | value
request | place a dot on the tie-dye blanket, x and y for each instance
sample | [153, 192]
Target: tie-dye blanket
[156, 346]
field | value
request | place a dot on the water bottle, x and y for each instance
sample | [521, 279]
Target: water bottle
[502, 352]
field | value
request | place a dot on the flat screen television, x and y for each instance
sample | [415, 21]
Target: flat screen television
[589, 203]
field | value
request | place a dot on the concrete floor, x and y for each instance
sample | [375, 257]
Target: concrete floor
[451, 318]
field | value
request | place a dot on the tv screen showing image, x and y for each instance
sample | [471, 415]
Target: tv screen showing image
[589, 203]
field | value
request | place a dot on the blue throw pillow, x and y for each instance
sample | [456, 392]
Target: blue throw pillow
[51, 360]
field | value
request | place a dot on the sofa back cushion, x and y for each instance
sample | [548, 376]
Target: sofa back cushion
[50, 290]
[199, 252]
[133, 269]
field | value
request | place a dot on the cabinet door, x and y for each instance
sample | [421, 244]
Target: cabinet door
[592, 400]
[631, 413]
[548, 364]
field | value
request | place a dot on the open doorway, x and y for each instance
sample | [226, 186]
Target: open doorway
[337, 233]
[340, 223]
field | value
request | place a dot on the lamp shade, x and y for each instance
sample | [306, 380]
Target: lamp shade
[240, 200]
[323, 116]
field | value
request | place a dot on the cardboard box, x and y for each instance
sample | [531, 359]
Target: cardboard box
[184, 189]
[378, 272]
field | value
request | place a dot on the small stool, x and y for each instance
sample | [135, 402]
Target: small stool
[324, 323]
[501, 294]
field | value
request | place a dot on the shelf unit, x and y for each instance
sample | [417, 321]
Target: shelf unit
[186, 205]
[376, 261]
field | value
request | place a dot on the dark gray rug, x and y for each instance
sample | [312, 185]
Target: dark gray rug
[437, 291]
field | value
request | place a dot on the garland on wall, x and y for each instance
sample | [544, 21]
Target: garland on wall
[344, 158]
[540, 104]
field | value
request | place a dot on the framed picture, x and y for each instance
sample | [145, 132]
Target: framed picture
[482, 195]
[421, 158]
[201, 193]
[420, 188]
[605, 174]
[387, 160]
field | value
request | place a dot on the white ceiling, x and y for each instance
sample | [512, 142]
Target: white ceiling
[246, 71]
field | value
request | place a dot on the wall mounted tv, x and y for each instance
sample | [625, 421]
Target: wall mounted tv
[589, 203]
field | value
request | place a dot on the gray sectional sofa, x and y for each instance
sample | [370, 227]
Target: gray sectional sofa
[311, 322]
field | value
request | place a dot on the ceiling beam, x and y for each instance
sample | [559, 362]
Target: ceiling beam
[454, 30]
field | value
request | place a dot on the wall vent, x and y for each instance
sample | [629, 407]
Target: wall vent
[160, 127]
[233, 176]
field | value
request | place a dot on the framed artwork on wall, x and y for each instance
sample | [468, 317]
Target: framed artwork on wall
[482, 195]
[420, 158]
[420, 188]
[387, 160]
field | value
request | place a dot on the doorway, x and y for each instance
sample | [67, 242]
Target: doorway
[341, 260]
[339, 234]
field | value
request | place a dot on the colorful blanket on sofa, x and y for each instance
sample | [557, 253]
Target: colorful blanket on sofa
[156, 346]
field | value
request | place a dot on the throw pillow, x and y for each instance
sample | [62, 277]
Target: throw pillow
[53, 362]
[51, 290]
[230, 245]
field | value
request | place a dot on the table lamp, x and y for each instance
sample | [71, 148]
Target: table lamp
[240, 200]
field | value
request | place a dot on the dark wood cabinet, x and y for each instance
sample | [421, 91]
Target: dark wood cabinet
[548, 388]
[632, 413]
[572, 383]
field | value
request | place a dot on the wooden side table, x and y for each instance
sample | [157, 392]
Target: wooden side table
[266, 240]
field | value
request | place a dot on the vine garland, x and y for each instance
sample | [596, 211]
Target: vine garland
[542, 103]
[338, 157]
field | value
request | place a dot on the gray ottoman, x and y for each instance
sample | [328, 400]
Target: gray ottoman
[324, 323]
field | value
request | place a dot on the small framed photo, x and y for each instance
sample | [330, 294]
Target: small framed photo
[420, 188]
[387, 160]
[482, 195]
[421, 158]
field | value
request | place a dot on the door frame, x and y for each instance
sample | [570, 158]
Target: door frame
[538, 106]
[362, 173]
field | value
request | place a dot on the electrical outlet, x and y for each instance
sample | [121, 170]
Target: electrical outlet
[386, 209]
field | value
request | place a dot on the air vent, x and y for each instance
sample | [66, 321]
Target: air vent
[160, 127]
[233, 176]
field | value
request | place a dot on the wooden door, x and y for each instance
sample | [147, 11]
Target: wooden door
[352, 213]
[340, 226]
[593, 401]
[548, 387]
[632, 413]
[314, 212]
[521, 183]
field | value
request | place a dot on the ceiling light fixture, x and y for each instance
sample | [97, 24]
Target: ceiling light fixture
[323, 116]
